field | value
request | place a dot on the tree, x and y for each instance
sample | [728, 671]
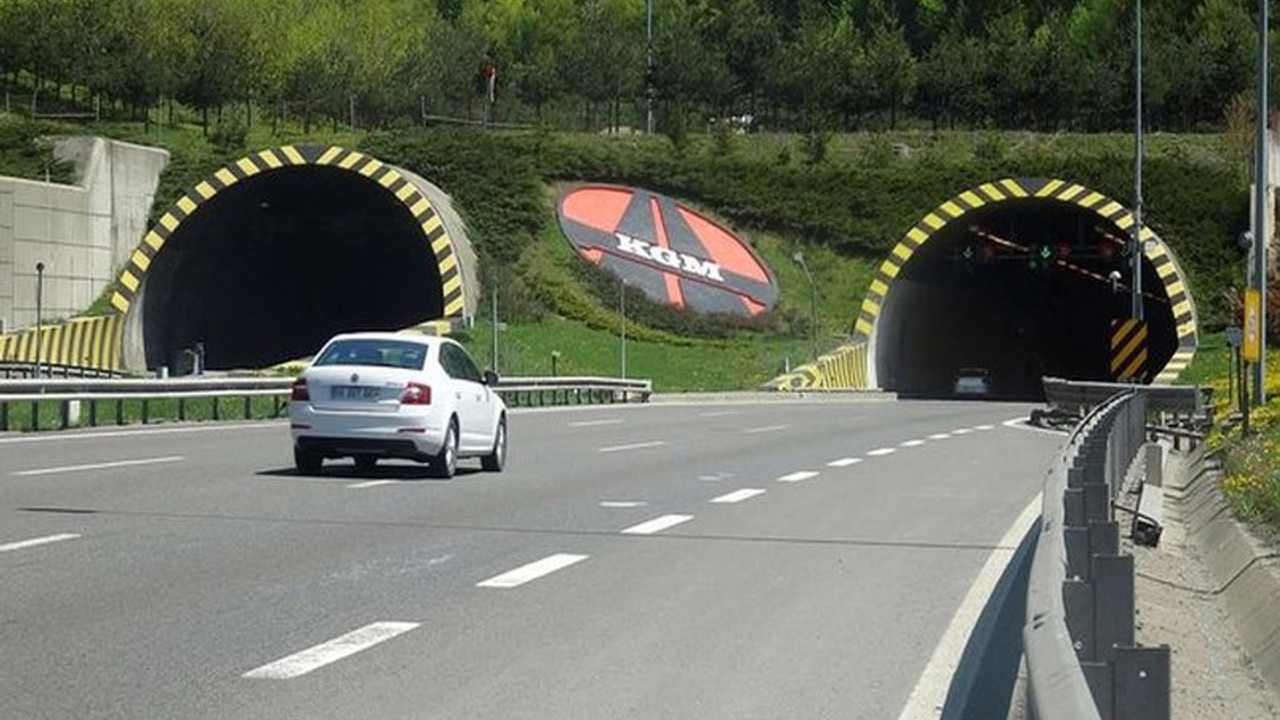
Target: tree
[892, 69]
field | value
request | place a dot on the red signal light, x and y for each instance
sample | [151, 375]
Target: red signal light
[300, 392]
[416, 394]
[1064, 251]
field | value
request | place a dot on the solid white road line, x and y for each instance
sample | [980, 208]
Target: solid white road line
[718, 413]
[765, 429]
[37, 541]
[657, 524]
[844, 462]
[372, 483]
[939, 436]
[622, 503]
[317, 657]
[102, 465]
[594, 423]
[912, 443]
[930, 694]
[738, 495]
[633, 446]
[1020, 423]
[881, 452]
[798, 476]
[532, 571]
[64, 436]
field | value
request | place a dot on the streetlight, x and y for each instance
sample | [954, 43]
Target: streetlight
[1260, 235]
[813, 301]
[39, 314]
[1136, 246]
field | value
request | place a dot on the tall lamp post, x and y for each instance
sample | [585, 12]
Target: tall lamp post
[1260, 234]
[39, 315]
[1136, 249]
[813, 301]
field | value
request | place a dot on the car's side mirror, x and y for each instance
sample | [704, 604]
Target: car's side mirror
[490, 378]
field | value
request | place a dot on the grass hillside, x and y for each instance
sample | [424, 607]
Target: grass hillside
[843, 204]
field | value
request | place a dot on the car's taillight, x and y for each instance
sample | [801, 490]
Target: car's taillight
[416, 394]
[300, 392]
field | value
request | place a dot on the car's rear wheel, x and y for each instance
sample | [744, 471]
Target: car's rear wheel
[445, 463]
[307, 462]
[496, 460]
[365, 463]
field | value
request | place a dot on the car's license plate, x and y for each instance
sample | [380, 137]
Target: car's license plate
[355, 392]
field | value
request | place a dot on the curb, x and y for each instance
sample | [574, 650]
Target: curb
[776, 396]
[1245, 571]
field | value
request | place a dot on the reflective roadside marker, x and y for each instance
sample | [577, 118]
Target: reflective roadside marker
[1129, 350]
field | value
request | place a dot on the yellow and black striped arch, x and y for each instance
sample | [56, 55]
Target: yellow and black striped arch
[265, 161]
[1016, 190]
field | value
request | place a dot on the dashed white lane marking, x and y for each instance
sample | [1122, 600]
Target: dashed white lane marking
[912, 443]
[962, 431]
[372, 483]
[1020, 423]
[622, 503]
[102, 465]
[880, 452]
[657, 524]
[844, 462]
[930, 693]
[594, 423]
[718, 413]
[738, 495]
[33, 542]
[327, 652]
[939, 436]
[717, 477]
[633, 446]
[985, 427]
[765, 429]
[532, 571]
[798, 476]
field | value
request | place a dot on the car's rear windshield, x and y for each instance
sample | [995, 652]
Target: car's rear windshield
[375, 353]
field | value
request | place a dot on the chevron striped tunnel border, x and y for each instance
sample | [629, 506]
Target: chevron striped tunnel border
[266, 161]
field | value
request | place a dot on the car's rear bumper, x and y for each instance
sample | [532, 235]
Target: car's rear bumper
[350, 446]
[413, 436]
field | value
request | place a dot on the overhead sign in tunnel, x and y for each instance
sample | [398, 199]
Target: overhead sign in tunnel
[1021, 278]
[674, 254]
[262, 261]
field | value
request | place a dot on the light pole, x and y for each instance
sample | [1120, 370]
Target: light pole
[494, 316]
[648, 75]
[813, 301]
[1136, 252]
[1260, 234]
[39, 315]
[622, 311]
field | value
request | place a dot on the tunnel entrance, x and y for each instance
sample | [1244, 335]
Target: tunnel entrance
[270, 267]
[1020, 289]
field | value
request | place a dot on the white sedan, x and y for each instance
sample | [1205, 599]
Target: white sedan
[383, 395]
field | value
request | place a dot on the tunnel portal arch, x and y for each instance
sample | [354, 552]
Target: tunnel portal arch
[331, 195]
[883, 321]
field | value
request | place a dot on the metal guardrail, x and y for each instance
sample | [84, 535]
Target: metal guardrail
[71, 395]
[10, 370]
[1191, 401]
[1082, 661]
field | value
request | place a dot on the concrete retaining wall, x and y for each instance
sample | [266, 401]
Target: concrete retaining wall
[82, 232]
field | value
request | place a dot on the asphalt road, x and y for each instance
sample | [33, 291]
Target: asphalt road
[667, 561]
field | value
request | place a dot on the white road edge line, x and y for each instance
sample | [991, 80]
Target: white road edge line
[320, 655]
[101, 465]
[738, 495]
[1020, 423]
[765, 429]
[844, 462]
[633, 446]
[657, 525]
[798, 476]
[719, 413]
[532, 571]
[912, 443]
[622, 503]
[58, 436]
[930, 693]
[594, 423]
[33, 542]
[939, 436]
[881, 452]
[962, 431]
[372, 483]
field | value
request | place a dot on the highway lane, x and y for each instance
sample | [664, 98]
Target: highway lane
[816, 597]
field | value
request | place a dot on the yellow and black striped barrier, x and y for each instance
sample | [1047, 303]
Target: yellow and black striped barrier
[1129, 350]
[90, 342]
[844, 368]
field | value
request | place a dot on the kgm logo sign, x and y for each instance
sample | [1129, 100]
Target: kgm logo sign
[674, 254]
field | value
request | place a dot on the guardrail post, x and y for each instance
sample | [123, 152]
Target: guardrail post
[120, 412]
[248, 406]
[146, 411]
[1112, 578]
[182, 409]
[93, 413]
[1100, 677]
[1142, 686]
[4, 417]
[64, 412]
[1078, 599]
[35, 415]
[217, 410]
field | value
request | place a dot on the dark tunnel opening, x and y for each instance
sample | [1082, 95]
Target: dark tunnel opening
[271, 267]
[1021, 290]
